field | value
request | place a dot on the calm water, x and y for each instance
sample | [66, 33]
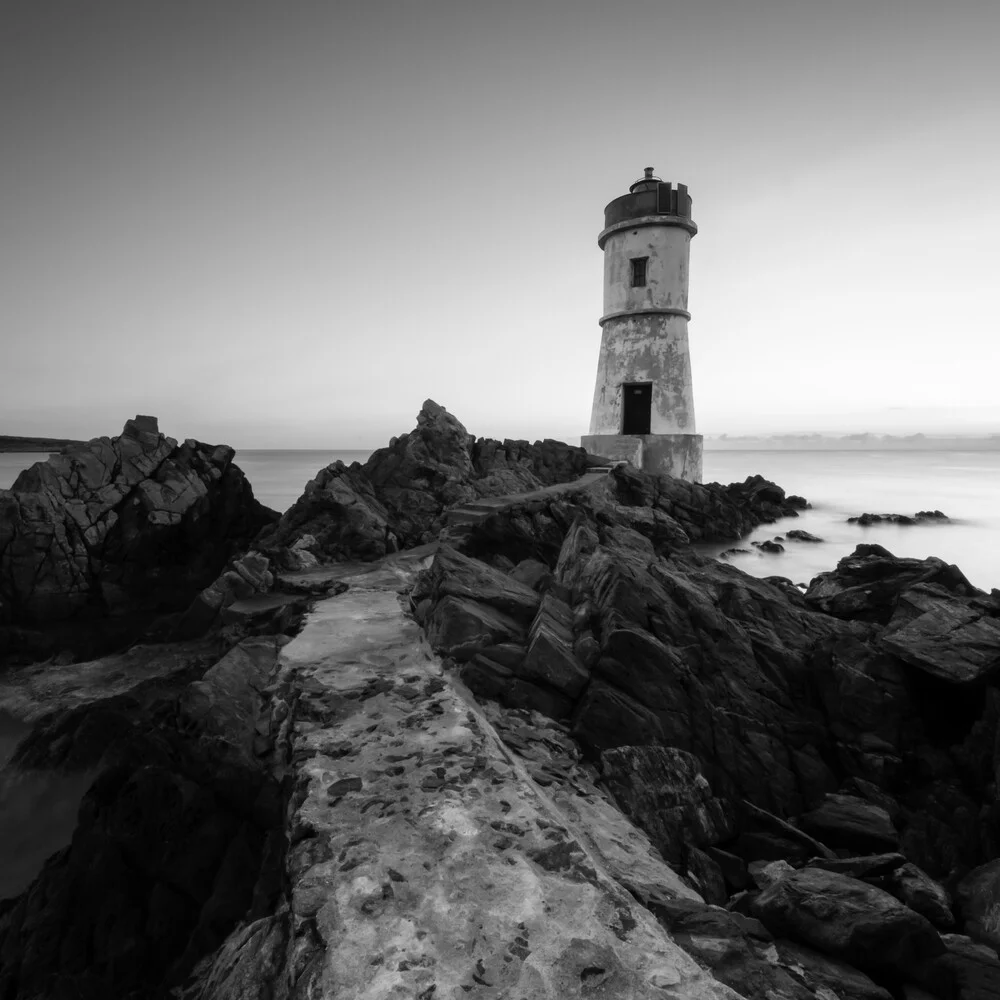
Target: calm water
[839, 484]
[278, 477]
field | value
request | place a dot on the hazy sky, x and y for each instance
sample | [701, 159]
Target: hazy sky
[286, 224]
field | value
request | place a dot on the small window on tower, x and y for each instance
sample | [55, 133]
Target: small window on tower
[639, 271]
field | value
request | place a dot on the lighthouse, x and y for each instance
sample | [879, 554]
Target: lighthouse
[643, 401]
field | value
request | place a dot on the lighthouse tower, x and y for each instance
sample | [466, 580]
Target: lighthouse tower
[643, 401]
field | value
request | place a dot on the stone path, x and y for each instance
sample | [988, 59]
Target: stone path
[477, 510]
[429, 859]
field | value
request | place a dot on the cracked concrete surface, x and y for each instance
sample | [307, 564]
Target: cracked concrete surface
[431, 859]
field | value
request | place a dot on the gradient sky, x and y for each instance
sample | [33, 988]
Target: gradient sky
[287, 224]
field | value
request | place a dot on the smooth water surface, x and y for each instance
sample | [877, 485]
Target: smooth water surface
[843, 484]
[279, 477]
[13, 463]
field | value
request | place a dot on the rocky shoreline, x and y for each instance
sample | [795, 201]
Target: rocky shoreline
[526, 743]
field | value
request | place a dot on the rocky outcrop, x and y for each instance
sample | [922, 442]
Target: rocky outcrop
[796, 722]
[179, 837]
[613, 747]
[337, 517]
[440, 848]
[850, 920]
[399, 497]
[103, 538]
[921, 517]
[865, 586]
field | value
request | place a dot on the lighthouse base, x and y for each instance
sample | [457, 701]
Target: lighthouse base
[677, 455]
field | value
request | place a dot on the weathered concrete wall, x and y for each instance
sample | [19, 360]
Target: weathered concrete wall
[615, 447]
[678, 455]
[645, 348]
[668, 250]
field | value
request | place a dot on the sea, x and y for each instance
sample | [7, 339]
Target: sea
[965, 485]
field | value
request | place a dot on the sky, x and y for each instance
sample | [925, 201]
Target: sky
[285, 225]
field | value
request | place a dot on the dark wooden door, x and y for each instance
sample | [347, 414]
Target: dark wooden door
[636, 406]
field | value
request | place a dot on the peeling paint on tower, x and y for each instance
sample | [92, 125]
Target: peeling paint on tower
[643, 398]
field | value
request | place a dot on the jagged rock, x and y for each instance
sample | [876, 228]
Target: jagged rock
[706, 876]
[798, 535]
[399, 498]
[455, 574]
[849, 822]
[921, 893]
[765, 873]
[772, 547]
[550, 659]
[173, 838]
[849, 920]
[952, 638]
[821, 973]
[340, 512]
[866, 584]
[977, 897]
[490, 680]
[742, 953]
[922, 516]
[870, 865]
[733, 868]
[973, 970]
[531, 573]
[766, 837]
[663, 791]
[461, 628]
[115, 530]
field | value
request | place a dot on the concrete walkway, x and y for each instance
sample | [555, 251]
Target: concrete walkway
[478, 510]
[427, 860]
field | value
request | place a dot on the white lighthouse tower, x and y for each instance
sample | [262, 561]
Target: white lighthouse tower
[643, 400]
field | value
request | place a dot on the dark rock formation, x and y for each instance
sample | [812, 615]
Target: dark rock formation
[866, 584]
[829, 759]
[849, 920]
[798, 535]
[99, 540]
[402, 495]
[852, 823]
[921, 517]
[179, 837]
[399, 497]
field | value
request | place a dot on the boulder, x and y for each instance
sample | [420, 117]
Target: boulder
[340, 514]
[849, 920]
[798, 535]
[178, 838]
[972, 969]
[455, 574]
[121, 528]
[914, 887]
[820, 972]
[460, 628]
[954, 639]
[977, 897]
[866, 584]
[551, 659]
[867, 866]
[851, 823]
[663, 791]
[921, 517]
